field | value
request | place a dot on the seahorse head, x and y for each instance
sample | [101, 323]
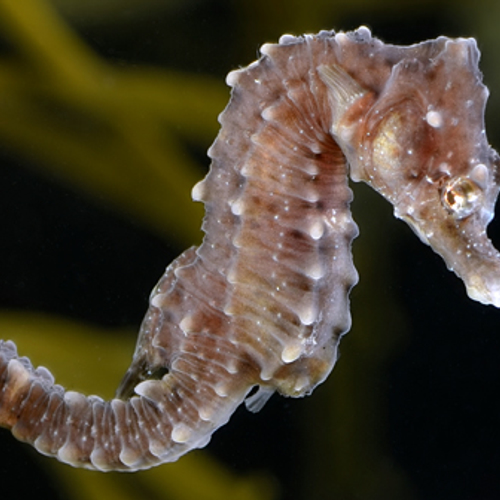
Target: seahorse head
[420, 141]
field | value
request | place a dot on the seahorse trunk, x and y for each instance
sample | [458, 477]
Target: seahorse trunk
[263, 301]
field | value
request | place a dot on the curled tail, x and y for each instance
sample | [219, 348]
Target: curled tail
[160, 425]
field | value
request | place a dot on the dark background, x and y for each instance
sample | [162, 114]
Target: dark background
[411, 410]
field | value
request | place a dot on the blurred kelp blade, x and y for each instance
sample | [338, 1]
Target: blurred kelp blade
[195, 476]
[82, 357]
[95, 11]
[108, 131]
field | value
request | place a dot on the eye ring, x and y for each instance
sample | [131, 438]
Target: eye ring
[461, 197]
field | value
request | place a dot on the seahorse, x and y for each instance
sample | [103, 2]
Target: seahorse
[261, 305]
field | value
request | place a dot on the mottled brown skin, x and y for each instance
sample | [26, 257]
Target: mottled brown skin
[450, 155]
[264, 300]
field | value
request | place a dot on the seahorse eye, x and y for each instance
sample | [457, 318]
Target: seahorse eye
[461, 197]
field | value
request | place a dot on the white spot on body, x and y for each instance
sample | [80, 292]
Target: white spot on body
[129, 457]
[198, 191]
[341, 38]
[232, 78]
[18, 376]
[364, 33]
[434, 119]
[44, 374]
[266, 373]
[268, 114]
[301, 384]
[316, 271]
[246, 170]
[316, 229]
[228, 310]
[231, 276]
[312, 168]
[221, 390]
[480, 175]
[444, 168]
[68, 453]
[206, 414]
[291, 352]
[232, 367]
[181, 433]
[237, 207]
[73, 398]
[158, 300]
[186, 324]
[147, 389]
[312, 195]
[307, 315]
[285, 39]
